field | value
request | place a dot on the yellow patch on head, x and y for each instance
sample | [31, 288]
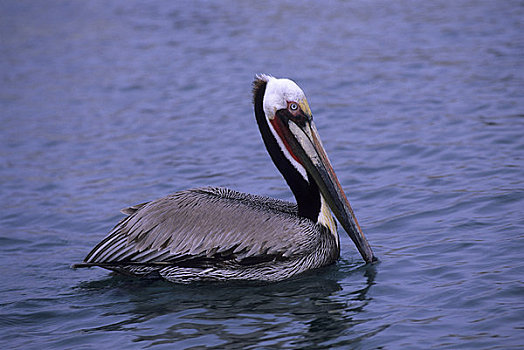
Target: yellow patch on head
[304, 106]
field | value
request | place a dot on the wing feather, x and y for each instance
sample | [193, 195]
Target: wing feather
[206, 223]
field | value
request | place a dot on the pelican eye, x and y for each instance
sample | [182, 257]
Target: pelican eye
[293, 106]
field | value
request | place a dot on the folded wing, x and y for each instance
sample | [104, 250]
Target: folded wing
[203, 227]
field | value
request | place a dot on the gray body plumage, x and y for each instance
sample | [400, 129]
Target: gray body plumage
[215, 234]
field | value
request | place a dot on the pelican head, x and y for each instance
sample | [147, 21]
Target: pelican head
[286, 123]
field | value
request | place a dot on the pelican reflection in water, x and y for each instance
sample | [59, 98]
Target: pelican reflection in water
[216, 234]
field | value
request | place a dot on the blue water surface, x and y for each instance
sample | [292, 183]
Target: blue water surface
[420, 106]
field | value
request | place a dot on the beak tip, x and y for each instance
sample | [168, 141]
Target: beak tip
[367, 253]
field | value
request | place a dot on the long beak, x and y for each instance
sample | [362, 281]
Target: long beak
[309, 150]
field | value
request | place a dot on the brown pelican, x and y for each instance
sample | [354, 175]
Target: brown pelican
[218, 234]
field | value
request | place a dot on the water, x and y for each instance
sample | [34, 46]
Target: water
[420, 107]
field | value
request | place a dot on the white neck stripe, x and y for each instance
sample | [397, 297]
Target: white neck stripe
[286, 153]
